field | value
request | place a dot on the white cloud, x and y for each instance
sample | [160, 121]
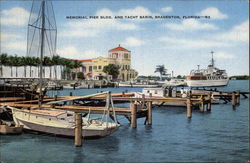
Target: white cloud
[68, 52]
[167, 9]
[16, 16]
[213, 12]
[239, 33]
[133, 42]
[223, 55]
[14, 46]
[137, 11]
[191, 43]
[7, 36]
[73, 52]
[190, 24]
[89, 54]
[93, 27]
[78, 32]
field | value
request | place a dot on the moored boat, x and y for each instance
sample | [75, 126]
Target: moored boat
[61, 123]
[175, 82]
[7, 128]
[209, 77]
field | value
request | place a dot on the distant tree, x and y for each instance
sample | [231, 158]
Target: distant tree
[179, 76]
[112, 70]
[161, 69]
[17, 63]
[80, 75]
[47, 61]
[3, 62]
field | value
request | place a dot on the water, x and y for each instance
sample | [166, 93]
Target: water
[221, 135]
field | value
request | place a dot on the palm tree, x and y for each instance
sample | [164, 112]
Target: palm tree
[36, 64]
[16, 62]
[56, 61]
[161, 69]
[10, 63]
[76, 66]
[48, 62]
[29, 62]
[3, 62]
[24, 63]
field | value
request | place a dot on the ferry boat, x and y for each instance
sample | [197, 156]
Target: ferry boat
[209, 77]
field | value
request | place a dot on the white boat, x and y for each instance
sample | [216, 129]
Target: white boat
[175, 82]
[61, 123]
[144, 84]
[209, 77]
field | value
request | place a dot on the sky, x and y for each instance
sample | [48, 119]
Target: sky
[177, 43]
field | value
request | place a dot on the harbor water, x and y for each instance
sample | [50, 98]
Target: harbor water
[219, 135]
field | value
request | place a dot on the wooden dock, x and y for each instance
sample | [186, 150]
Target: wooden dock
[139, 107]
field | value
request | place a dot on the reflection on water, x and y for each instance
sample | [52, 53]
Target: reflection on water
[219, 135]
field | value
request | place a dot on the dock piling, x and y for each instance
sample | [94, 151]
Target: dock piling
[149, 116]
[71, 102]
[233, 99]
[209, 102]
[202, 104]
[78, 130]
[189, 109]
[238, 97]
[133, 108]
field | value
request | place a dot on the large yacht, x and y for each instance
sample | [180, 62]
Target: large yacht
[209, 77]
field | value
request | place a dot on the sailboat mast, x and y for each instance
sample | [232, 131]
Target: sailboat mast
[42, 51]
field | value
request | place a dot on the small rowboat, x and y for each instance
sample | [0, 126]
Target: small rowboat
[8, 129]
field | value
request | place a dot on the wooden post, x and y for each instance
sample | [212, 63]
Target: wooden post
[149, 113]
[209, 102]
[238, 97]
[133, 115]
[78, 130]
[233, 99]
[70, 102]
[143, 100]
[189, 109]
[202, 104]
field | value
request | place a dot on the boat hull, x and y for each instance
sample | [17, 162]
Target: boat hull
[67, 132]
[51, 125]
[5, 129]
[207, 83]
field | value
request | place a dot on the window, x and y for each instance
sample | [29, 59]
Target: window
[126, 55]
[90, 68]
[83, 68]
[99, 67]
[95, 67]
[114, 55]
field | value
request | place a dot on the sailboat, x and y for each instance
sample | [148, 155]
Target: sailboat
[49, 120]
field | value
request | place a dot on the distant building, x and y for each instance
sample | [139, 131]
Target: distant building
[93, 68]
[122, 58]
[86, 68]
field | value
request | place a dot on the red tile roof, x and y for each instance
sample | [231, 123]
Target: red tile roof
[85, 60]
[119, 48]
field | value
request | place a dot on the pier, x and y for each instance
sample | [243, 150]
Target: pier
[140, 107]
